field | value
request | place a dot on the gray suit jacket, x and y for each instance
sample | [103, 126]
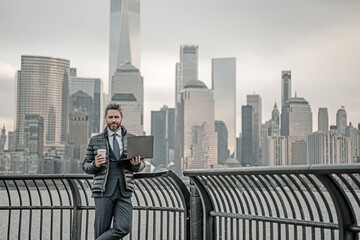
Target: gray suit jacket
[101, 173]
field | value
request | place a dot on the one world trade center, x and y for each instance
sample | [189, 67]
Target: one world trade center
[125, 42]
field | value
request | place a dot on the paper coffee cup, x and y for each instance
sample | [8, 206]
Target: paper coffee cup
[102, 152]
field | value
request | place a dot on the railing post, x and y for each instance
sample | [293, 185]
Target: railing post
[76, 224]
[196, 214]
[208, 228]
[345, 213]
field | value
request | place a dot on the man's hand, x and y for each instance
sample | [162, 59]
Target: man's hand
[99, 159]
[136, 160]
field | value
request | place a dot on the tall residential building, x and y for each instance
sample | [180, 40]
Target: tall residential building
[270, 139]
[322, 147]
[254, 100]
[79, 132]
[352, 133]
[187, 68]
[222, 140]
[285, 87]
[196, 143]
[296, 125]
[275, 151]
[247, 129]
[239, 147]
[80, 89]
[34, 134]
[125, 36]
[128, 81]
[11, 141]
[162, 128]
[296, 118]
[341, 121]
[323, 120]
[224, 89]
[2, 139]
[42, 87]
[343, 148]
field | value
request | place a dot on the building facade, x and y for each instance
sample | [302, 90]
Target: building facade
[285, 87]
[80, 89]
[224, 89]
[323, 120]
[34, 134]
[163, 128]
[247, 129]
[187, 68]
[341, 120]
[79, 133]
[254, 100]
[195, 143]
[42, 87]
[296, 125]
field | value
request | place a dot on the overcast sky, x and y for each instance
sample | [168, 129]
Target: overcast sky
[319, 41]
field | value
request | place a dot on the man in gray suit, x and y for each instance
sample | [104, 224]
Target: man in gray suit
[113, 181]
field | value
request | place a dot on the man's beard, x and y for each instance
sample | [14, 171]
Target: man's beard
[114, 126]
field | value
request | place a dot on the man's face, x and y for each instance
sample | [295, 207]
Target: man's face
[113, 119]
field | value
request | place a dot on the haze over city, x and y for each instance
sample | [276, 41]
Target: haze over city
[318, 41]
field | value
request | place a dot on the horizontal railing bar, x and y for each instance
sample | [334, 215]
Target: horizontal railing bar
[295, 169]
[73, 176]
[170, 209]
[34, 207]
[275, 220]
[354, 228]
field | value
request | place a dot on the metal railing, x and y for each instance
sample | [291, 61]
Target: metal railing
[61, 207]
[292, 202]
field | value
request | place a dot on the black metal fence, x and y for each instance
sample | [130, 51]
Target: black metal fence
[292, 202]
[61, 207]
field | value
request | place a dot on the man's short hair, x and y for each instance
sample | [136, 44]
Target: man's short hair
[113, 106]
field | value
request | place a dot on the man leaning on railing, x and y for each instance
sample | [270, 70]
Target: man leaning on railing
[113, 181]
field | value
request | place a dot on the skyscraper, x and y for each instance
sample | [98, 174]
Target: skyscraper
[187, 68]
[247, 129]
[34, 134]
[79, 132]
[2, 139]
[125, 41]
[127, 81]
[80, 89]
[296, 118]
[224, 88]
[43, 88]
[296, 125]
[352, 133]
[254, 100]
[222, 140]
[322, 147]
[341, 120]
[285, 87]
[195, 144]
[323, 120]
[162, 128]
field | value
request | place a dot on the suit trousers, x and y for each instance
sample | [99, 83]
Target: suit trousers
[116, 208]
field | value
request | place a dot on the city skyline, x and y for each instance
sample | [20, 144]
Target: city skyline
[318, 42]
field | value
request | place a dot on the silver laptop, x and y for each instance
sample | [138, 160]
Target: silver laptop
[142, 146]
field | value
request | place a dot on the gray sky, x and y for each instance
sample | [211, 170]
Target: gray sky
[319, 41]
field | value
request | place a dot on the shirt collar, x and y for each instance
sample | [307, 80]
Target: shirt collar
[110, 133]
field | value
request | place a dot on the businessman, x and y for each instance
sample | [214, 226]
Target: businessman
[113, 181]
